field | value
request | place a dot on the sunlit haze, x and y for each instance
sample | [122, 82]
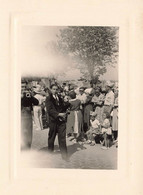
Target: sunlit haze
[36, 60]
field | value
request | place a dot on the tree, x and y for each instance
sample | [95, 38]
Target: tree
[91, 48]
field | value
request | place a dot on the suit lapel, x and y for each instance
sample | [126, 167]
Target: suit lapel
[55, 102]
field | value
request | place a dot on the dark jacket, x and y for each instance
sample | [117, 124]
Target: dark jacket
[55, 107]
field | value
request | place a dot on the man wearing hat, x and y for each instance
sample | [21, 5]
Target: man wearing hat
[109, 98]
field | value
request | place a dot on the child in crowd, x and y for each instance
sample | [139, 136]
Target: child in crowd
[106, 131]
[94, 129]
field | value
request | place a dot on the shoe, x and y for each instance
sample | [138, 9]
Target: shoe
[71, 139]
[92, 144]
[69, 135]
[115, 141]
[101, 143]
[88, 142]
[74, 141]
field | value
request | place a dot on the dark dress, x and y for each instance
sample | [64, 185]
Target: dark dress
[88, 107]
[75, 118]
[26, 121]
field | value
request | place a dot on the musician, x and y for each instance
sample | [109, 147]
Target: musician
[56, 108]
[27, 103]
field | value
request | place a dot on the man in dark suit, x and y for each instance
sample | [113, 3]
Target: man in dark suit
[56, 109]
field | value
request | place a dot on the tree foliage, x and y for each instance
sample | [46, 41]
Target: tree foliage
[91, 48]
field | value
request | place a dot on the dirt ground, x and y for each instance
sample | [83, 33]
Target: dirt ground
[82, 156]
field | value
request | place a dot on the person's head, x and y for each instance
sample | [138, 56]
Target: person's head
[23, 85]
[71, 88]
[63, 94]
[103, 91]
[54, 89]
[97, 91]
[81, 90]
[72, 94]
[66, 98]
[64, 84]
[116, 93]
[93, 116]
[109, 86]
[106, 115]
[47, 91]
[66, 92]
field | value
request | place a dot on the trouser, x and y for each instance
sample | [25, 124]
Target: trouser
[87, 109]
[26, 130]
[98, 138]
[89, 134]
[107, 108]
[60, 129]
[38, 117]
[115, 134]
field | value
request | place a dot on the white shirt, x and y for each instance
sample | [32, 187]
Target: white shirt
[66, 88]
[109, 98]
[106, 128]
[95, 124]
[82, 98]
[40, 98]
[56, 97]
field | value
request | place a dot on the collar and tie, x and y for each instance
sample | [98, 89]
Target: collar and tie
[56, 98]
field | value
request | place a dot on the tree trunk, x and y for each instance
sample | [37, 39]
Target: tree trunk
[91, 70]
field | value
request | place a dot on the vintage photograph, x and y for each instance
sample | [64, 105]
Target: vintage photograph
[69, 96]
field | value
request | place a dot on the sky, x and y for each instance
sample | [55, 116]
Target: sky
[36, 60]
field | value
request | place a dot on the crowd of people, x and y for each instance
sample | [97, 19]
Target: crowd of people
[85, 115]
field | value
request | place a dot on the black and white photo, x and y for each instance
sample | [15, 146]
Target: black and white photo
[69, 96]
